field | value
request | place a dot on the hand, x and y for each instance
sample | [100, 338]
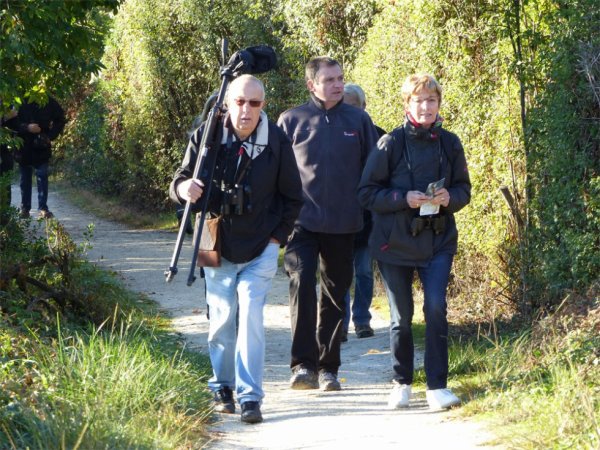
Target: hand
[441, 197]
[274, 241]
[190, 190]
[415, 199]
[34, 128]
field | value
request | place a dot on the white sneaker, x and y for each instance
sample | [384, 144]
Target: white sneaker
[441, 398]
[400, 396]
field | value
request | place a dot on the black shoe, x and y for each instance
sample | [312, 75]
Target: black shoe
[251, 412]
[344, 337]
[224, 401]
[329, 382]
[24, 213]
[363, 331]
[303, 378]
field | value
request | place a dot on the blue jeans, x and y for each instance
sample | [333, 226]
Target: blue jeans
[398, 284]
[363, 289]
[238, 359]
[41, 173]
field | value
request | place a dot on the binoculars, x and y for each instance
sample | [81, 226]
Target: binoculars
[236, 200]
[418, 224]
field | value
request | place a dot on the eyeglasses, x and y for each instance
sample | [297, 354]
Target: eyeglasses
[253, 103]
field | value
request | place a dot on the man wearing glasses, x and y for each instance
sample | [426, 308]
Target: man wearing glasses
[331, 141]
[256, 189]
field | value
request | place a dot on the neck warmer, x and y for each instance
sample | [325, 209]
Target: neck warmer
[253, 144]
[417, 130]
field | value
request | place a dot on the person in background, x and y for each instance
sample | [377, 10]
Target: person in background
[38, 125]
[331, 141]
[363, 264]
[256, 163]
[414, 183]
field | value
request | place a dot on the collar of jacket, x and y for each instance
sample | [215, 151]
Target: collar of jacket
[416, 131]
[320, 104]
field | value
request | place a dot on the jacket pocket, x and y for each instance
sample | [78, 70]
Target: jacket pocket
[402, 242]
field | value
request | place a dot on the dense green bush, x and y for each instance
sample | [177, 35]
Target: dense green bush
[564, 161]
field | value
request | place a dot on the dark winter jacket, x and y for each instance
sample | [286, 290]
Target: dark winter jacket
[386, 181]
[275, 194]
[331, 147]
[37, 148]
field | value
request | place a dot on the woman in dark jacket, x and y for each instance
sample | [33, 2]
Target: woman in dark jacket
[413, 183]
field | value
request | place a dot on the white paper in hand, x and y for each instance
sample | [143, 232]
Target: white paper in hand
[428, 209]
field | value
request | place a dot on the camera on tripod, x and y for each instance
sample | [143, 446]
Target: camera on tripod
[236, 200]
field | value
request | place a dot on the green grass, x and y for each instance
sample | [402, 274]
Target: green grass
[108, 389]
[127, 387]
[538, 396]
[101, 370]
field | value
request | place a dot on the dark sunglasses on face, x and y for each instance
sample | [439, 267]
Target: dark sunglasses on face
[253, 103]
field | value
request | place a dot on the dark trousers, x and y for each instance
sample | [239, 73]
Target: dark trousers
[317, 324]
[41, 174]
[398, 284]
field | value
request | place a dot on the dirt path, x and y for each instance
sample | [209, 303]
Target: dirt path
[353, 418]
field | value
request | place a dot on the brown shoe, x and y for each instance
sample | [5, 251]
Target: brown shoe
[45, 214]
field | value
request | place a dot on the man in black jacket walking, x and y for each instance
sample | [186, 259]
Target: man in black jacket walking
[256, 188]
[37, 126]
[331, 142]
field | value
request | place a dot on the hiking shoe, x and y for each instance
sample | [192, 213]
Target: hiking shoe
[304, 378]
[344, 337]
[329, 382]
[441, 398]
[400, 396]
[251, 412]
[224, 401]
[363, 331]
[45, 214]
[24, 213]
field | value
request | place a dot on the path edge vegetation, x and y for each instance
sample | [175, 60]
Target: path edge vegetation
[521, 90]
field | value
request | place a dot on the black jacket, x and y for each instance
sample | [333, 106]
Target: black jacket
[331, 147]
[386, 180]
[37, 148]
[275, 192]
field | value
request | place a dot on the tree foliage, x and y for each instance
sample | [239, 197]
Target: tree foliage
[49, 46]
[162, 63]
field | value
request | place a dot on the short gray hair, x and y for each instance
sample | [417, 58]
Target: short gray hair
[357, 92]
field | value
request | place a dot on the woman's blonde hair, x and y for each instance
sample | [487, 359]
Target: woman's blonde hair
[416, 83]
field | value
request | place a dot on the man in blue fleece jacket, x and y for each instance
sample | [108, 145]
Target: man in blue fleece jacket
[331, 141]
